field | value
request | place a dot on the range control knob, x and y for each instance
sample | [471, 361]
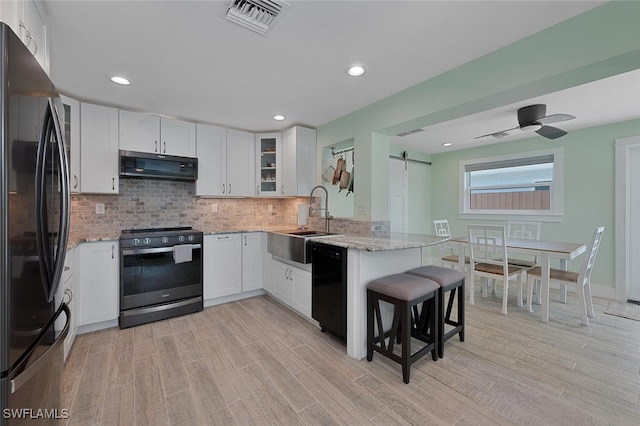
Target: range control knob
[136, 242]
[165, 240]
[181, 238]
[190, 238]
[146, 241]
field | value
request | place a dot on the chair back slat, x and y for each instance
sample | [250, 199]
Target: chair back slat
[487, 244]
[523, 230]
[592, 251]
[442, 230]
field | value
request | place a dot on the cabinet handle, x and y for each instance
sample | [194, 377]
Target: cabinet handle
[113, 251]
[113, 184]
[258, 189]
[164, 147]
[75, 179]
[28, 35]
[282, 189]
[156, 148]
[245, 240]
[223, 238]
[223, 188]
[229, 189]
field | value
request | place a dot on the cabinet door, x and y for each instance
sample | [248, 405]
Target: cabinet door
[99, 153]
[222, 265]
[253, 247]
[301, 291]
[212, 160]
[268, 147]
[299, 161]
[98, 282]
[240, 163]
[71, 122]
[139, 132]
[282, 282]
[33, 31]
[178, 137]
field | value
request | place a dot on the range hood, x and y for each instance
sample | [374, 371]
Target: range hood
[157, 166]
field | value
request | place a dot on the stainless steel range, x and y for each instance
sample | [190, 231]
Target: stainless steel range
[160, 274]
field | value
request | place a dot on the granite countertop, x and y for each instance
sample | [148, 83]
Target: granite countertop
[395, 241]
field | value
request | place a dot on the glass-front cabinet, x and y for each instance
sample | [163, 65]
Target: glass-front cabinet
[268, 150]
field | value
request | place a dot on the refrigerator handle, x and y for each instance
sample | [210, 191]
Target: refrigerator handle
[23, 377]
[42, 235]
[65, 195]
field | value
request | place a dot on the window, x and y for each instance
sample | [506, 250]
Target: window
[526, 184]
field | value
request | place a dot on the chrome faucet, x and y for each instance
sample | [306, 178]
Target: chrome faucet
[327, 216]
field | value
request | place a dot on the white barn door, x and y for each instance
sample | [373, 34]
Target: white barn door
[398, 196]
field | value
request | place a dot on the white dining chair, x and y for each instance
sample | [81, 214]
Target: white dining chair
[489, 259]
[524, 230]
[448, 256]
[581, 280]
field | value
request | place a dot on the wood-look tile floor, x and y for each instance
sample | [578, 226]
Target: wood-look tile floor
[255, 362]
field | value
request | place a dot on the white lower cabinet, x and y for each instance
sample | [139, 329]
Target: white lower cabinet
[97, 282]
[222, 255]
[291, 285]
[69, 293]
[254, 245]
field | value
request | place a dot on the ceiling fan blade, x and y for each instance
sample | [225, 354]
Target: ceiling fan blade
[550, 132]
[555, 118]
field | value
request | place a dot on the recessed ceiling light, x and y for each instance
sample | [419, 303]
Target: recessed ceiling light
[447, 144]
[356, 71]
[278, 117]
[120, 80]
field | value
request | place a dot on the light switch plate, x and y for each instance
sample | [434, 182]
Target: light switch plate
[362, 208]
[99, 208]
[270, 208]
[214, 208]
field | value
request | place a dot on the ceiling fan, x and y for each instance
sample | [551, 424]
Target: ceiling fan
[534, 118]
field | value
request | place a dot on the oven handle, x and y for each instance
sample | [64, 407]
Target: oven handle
[126, 252]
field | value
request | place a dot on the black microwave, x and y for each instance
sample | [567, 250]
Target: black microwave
[157, 166]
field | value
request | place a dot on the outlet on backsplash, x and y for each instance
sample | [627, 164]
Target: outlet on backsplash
[270, 208]
[214, 208]
[99, 208]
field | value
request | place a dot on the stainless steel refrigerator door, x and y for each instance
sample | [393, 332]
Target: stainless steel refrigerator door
[35, 384]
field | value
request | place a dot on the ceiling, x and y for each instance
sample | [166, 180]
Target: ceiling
[600, 102]
[186, 61]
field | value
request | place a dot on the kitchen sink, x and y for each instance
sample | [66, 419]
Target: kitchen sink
[295, 244]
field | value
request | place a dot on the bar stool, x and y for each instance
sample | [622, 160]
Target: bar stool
[405, 293]
[448, 280]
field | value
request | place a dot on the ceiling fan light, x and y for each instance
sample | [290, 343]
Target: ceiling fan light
[531, 127]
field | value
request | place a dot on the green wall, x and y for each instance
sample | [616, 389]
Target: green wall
[588, 193]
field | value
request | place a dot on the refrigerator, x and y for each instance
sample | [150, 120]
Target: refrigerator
[34, 230]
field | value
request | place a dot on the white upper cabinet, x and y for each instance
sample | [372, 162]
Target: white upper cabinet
[298, 161]
[70, 116]
[268, 157]
[150, 133]
[139, 132]
[212, 160]
[27, 18]
[178, 137]
[225, 162]
[240, 164]
[99, 149]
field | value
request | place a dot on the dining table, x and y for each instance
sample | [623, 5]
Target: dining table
[544, 250]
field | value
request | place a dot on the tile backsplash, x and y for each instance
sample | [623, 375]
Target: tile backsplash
[146, 203]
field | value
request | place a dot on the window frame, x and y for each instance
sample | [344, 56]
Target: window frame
[555, 213]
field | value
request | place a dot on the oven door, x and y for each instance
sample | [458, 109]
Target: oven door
[151, 276]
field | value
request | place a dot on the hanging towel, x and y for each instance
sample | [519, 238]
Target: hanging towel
[182, 253]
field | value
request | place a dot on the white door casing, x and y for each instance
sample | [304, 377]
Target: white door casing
[627, 218]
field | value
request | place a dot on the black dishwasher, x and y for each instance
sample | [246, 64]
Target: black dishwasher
[329, 288]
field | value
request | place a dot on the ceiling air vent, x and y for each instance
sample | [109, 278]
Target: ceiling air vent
[257, 15]
[410, 132]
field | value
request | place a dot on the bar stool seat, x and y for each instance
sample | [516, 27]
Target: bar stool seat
[405, 292]
[449, 280]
